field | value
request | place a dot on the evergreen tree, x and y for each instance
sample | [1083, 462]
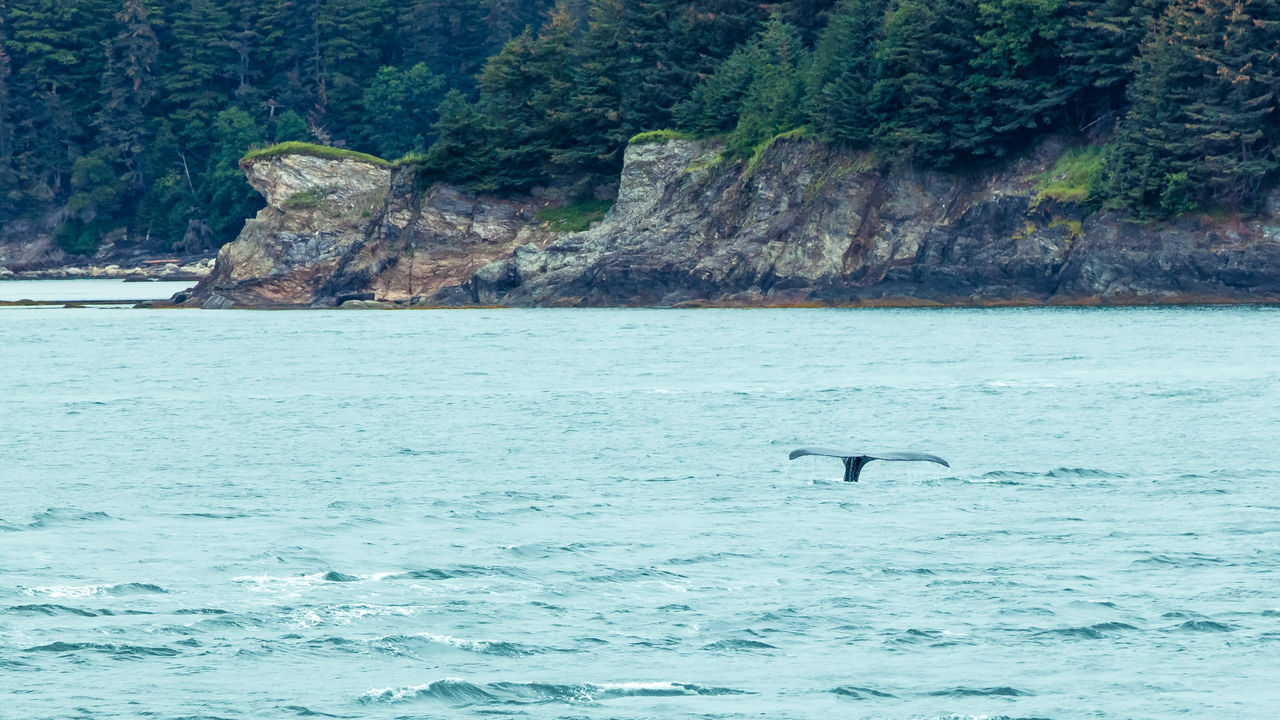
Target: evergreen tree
[844, 71]
[249, 52]
[128, 86]
[10, 189]
[289, 126]
[349, 33]
[55, 47]
[462, 151]
[773, 100]
[1098, 42]
[919, 100]
[668, 46]
[226, 196]
[194, 83]
[296, 63]
[714, 105]
[1201, 100]
[595, 103]
[1015, 87]
[525, 94]
[399, 107]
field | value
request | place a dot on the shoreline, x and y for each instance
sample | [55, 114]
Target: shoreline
[179, 270]
[897, 304]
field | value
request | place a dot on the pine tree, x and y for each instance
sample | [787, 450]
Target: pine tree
[54, 47]
[1231, 122]
[399, 110]
[1201, 100]
[595, 103]
[773, 100]
[296, 63]
[10, 189]
[128, 86]
[226, 197]
[668, 47]
[919, 99]
[715, 104]
[844, 71]
[450, 37]
[1015, 87]
[525, 93]
[350, 34]
[250, 54]
[194, 80]
[1098, 44]
[462, 152]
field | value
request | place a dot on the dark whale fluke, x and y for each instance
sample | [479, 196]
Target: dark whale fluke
[853, 461]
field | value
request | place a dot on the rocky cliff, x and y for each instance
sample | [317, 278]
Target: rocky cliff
[803, 224]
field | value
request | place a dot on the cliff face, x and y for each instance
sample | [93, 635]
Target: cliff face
[342, 229]
[804, 225]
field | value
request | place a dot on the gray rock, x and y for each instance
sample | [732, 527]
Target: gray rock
[806, 224]
[365, 305]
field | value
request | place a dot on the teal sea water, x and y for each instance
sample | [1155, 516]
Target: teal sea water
[590, 514]
[91, 289]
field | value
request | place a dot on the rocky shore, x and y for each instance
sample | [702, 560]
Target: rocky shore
[193, 270]
[802, 225]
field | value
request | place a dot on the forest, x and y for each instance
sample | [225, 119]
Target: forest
[127, 119]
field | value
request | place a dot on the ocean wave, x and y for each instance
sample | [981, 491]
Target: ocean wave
[459, 571]
[1091, 632]
[1205, 626]
[633, 575]
[705, 558]
[738, 645]
[399, 644]
[64, 516]
[460, 693]
[303, 711]
[1192, 559]
[965, 692]
[858, 693]
[1072, 472]
[54, 609]
[119, 651]
[310, 616]
[82, 591]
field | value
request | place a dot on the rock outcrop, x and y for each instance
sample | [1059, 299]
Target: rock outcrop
[345, 229]
[803, 225]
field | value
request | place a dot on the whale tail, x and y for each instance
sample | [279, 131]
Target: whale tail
[853, 467]
[854, 462]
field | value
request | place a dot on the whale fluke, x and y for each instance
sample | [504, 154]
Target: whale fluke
[854, 461]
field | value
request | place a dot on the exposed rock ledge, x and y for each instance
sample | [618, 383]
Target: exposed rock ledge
[807, 225]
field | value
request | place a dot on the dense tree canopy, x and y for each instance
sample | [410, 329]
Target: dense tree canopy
[125, 119]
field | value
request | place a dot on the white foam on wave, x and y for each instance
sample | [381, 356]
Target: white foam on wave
[662, 686]
[264, 583]
[460, 643]
[344, 614]
[395, 694]
[66, 591]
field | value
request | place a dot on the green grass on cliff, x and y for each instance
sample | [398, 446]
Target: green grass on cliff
[303, 148]
[1075, 176]
[574, 217]
[758, 151]
[660, 136]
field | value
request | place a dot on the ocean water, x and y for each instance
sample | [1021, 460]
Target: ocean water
[591, 514]
[89, 289]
